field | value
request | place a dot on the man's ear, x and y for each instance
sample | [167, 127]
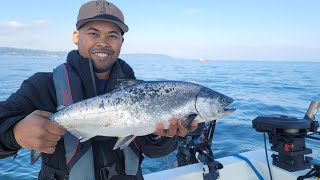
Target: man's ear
[75, 37]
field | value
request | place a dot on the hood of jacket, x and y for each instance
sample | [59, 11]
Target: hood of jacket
[119, 70]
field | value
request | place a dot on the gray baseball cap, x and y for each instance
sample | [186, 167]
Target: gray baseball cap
[101, 10]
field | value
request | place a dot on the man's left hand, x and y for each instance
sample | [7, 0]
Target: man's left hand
[175, 128]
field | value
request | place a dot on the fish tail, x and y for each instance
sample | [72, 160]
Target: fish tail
[34, 156]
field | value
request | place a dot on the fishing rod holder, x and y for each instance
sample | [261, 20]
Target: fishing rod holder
[210, 167]
[198, 140]
[196, 147]
[287, 136]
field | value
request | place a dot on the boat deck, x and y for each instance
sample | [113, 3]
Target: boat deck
[233, 168]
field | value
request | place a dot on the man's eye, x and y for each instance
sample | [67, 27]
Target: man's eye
[93, 34]
[113, 36]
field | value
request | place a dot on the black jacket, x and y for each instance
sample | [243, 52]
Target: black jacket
[38, 93]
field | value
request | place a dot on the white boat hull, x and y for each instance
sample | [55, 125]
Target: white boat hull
[233, 168]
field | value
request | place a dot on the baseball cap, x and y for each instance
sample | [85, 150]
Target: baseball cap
[101, 10]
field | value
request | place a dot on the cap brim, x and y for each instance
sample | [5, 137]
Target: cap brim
[124, 28]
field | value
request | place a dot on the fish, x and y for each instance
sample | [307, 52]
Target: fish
[135, 107]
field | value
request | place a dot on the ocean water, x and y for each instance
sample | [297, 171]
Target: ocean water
[258, 88]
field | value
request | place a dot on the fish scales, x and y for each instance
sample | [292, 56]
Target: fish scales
[135, 110]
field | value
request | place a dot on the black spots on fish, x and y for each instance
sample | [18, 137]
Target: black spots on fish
[107, 99]
[107, 124]
[117, 101]
[101, 105]
[169, 90]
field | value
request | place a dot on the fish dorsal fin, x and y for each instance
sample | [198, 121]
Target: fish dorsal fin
[124, 142]
[122, 83]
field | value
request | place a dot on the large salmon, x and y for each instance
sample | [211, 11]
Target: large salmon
[135, 109]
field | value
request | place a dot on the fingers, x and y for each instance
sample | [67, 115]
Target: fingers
[48, 150]
[50, 126]
[159, 130]
[182, 131]
[44, 114]
[51, 137]
[170, 132]
[175, 128]
[179, 130]
[46, 146]
[54, 128]
[193, 126]
[37, 132]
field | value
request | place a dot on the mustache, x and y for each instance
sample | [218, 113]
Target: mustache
[101, 50]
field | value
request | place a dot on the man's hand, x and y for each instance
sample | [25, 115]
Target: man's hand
[175, 128]
[36, 132]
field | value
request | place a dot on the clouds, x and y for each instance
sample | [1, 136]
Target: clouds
[35, 34]
[13, 24]
[22, 25]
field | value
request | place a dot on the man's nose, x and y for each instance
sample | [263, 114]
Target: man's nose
[103, 42]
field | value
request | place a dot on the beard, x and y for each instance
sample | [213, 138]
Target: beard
[98, 67]
[101, 69]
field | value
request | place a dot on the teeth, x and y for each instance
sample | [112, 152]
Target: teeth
[102, 55]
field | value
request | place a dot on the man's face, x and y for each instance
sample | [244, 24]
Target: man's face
[100, 41]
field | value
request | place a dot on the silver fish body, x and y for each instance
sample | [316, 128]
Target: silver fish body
[137, 109]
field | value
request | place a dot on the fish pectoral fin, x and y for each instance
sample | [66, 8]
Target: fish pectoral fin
[189, 119]
[124, 142]
[81, 135]
[34, 156]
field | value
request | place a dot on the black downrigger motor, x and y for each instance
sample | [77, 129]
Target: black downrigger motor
[287, 136]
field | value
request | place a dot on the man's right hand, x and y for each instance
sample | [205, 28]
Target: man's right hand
[37, 132]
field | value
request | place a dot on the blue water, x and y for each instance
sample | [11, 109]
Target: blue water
[259, 88]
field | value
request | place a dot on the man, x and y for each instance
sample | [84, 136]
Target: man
[92, 70]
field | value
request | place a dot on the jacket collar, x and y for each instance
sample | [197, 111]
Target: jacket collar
[82, 67]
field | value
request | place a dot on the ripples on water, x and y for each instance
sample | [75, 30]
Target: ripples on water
[258, 88]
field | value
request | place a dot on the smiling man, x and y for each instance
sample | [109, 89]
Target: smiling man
[91, 70]
[101, 42]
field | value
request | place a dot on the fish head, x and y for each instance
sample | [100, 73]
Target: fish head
[211, 105]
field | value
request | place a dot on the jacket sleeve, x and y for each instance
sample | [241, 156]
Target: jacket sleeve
[155, 148]
[15, 108]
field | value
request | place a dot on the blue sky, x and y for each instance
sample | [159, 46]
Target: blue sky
[224, 29]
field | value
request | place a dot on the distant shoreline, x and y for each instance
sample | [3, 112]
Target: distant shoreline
[23, 52]
[9, 51]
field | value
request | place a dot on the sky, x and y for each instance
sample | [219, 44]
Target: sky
[213, 29]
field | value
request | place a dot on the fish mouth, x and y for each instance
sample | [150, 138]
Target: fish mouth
[225, 110]
[228, 110]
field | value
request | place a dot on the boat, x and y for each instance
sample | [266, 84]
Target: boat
[233, 168]
[204, 60]
[285, 160]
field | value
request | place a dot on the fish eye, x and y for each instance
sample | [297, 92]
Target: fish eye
[222, 101]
